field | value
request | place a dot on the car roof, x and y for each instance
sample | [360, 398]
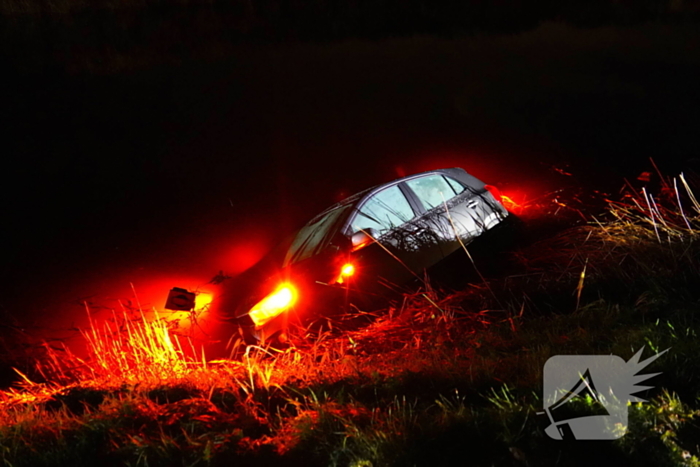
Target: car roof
[357, 197]
[302, 245]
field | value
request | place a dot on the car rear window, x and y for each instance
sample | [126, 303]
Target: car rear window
[314, 236]
[432, 190]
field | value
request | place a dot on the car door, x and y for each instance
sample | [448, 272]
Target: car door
[451, 209]
[394, 257]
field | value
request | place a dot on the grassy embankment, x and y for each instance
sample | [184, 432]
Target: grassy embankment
[448, 379]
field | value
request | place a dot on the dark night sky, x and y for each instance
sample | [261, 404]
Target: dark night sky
[156, 170]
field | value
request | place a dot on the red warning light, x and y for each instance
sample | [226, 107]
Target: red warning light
[347, 270]
[509, 203]
[274, 304]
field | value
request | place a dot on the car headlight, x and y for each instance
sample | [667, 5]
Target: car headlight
[274, 304]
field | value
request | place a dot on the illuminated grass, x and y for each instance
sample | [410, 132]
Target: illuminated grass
[441, 378]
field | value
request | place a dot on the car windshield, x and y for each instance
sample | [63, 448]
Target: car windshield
[315, 235]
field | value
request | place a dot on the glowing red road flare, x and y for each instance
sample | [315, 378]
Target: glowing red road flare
[509, 204]
[347, 270]
[274, 304]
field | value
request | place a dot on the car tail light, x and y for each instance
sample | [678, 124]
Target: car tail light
[346, 271]
[274, 304]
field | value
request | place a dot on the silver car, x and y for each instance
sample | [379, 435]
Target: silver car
[359, 250]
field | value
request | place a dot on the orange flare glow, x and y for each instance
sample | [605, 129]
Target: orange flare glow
[347, 270]
[203, 300]
[509, 203]
[274, 304]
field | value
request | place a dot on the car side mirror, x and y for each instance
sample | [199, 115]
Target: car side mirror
[363, 238]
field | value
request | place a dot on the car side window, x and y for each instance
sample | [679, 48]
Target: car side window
[456, 186]
[431, 190]
[387, 209]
